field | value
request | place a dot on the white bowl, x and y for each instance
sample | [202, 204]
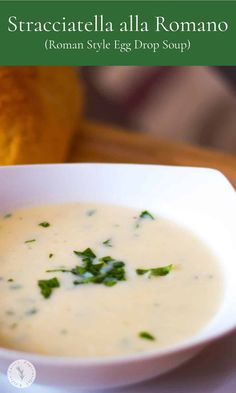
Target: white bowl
[200, 199]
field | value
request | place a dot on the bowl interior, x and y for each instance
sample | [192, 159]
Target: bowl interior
[199, 199]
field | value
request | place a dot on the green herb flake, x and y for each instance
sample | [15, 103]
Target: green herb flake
[107, 243]
[50, 255]
[146, 214]
[88, 253]
[105, 270]
[158, 271]
[46, 286]
[143, 215]
[10, 280]
[44, 224]
[30, 241]
[110, 281]
[146, 336]
[84, 280]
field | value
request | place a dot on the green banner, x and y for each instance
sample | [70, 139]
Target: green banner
[118, 32]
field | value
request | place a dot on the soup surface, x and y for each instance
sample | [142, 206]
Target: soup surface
[62, 295]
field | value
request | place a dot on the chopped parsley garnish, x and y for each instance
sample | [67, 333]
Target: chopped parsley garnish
[10, 280]
[8, 215]
[146, 214]
[50, 255]
[30, 241]
[44, 224]
[107, 243]
[157, 271]
[106, 270]
[46, 286]
[146, 336]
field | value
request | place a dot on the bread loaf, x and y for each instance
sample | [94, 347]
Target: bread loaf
[40, 109]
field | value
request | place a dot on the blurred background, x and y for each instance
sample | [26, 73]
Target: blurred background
[62, 113]
[193, 104]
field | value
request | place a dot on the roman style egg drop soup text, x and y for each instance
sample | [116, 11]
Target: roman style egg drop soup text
[100, 280]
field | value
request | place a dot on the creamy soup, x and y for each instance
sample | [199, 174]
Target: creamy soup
[99, 280]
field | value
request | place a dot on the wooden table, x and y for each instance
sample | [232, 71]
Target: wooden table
[103, 143]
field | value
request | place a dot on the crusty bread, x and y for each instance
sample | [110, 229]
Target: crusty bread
[39, 112]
